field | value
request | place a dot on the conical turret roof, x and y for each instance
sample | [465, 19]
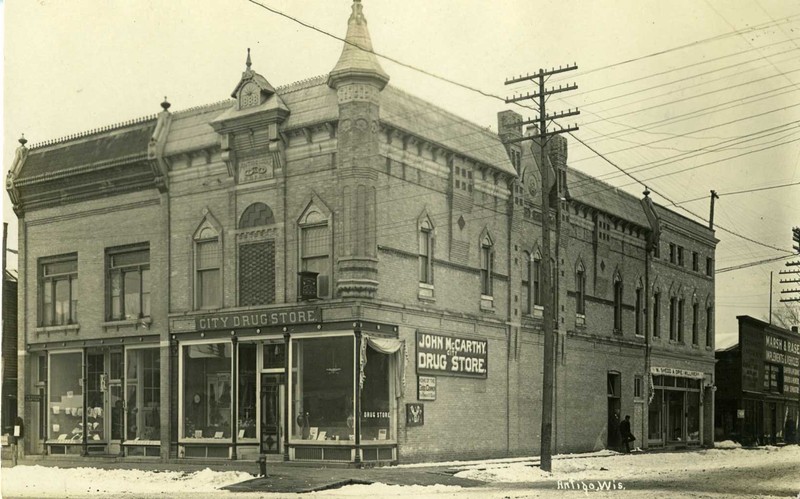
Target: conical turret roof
[358, 59]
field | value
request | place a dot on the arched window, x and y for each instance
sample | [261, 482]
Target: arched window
[639, 309]
[487, 265]
[527, 296]
[656, 312]
[580, 289]
[537, 279]
[617, 303]
[207, 265]
[315, 245]
[256, 215]
[425, 251]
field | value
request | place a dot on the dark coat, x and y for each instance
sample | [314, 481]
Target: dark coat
[625, 430]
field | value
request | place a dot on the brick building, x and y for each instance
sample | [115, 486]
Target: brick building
[337, 270]
[758, 393]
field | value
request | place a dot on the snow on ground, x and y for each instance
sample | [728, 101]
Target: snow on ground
[727, 444]
[45, 481]
[507, 476]
[621, 467]
[600, 453]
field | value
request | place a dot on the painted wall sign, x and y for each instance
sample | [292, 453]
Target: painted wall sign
[426, 388]
[679, 373]
[282, 317]
[787, 354]
[33, 397]
[415, 414]
[452, 356]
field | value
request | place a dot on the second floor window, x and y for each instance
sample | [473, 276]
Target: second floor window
[618, 305]
[128, 283]
[680, 321]
[487, 264]
[673, 312]
[580, 291]
[709, 326]
[315, 250]
[695, 308]
[526, 283]
[426, 253]
[59, 291]
[639, 312]
[208, 281]
[656, 315]
[537, 281]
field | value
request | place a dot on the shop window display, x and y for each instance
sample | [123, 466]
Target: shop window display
[142, 379]
[207, 391]
[323, 388]
[246, 423]
[376, 413]
[654, 415]
[693, 416]
[66, 397]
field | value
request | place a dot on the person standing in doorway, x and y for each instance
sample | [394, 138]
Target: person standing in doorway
[16, 439]
[625, 433]
[613, 431]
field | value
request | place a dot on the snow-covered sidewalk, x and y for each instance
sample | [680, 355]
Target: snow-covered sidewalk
[570, 472]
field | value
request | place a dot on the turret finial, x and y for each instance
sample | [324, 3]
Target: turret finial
[249, 62]
[646, 191]
[23, 140]
[165, 105]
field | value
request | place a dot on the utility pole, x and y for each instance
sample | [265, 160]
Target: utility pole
[711, 217]
[796, 247]
[539, 97]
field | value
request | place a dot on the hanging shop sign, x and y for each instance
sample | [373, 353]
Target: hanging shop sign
[426, 388]
[679, 373]
[279, 317]
[415, 414]
[452, 356]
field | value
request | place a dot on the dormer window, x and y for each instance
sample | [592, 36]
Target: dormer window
[249, 96]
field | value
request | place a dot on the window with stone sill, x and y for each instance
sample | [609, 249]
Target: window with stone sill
[617, 304]
[208, 274]
[487, 266]
[58, 290]
[527, 297]
[315, 248]
[128, 277]
[425, 252]
[580, 291]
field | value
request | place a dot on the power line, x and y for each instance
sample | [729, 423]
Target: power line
[757, 189]
[752, 264]
[673, 202]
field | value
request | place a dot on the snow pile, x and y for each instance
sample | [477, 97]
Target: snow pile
[27, 481]
[727, 444]
[629, 466]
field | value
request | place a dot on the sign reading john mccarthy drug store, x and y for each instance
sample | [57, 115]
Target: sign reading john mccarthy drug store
[451, 356]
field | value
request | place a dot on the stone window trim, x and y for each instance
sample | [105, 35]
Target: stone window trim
[53, 272]
[314, 217]
[426, 241]
[208, 232]
[486, 256]
[618, 295]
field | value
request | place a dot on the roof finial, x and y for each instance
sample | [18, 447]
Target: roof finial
[165, 105]
[646, 191]
[23, 140]
[249, 62]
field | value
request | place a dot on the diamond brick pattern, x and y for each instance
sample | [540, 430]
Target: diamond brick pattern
[257, 273]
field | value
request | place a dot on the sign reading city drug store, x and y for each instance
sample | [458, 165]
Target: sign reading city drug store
[451, 356]
[258, 318]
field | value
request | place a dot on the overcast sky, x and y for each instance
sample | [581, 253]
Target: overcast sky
[668, 89]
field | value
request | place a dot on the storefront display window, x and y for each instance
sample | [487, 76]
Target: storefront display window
[323, 389]
[376, 413]
[143, 397]
[66, 397]
[693, 416]
[654, 416]
[246, 423]
[207, 390]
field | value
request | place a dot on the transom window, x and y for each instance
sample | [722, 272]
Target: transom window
[128, 283]
[59, 291]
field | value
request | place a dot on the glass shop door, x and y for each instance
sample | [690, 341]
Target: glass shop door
[273, 398]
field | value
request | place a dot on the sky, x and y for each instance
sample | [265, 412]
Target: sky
[686, 95]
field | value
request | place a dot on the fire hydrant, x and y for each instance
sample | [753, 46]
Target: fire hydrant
[262, 465]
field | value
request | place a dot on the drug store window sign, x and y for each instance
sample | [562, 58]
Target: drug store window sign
[451, 356]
